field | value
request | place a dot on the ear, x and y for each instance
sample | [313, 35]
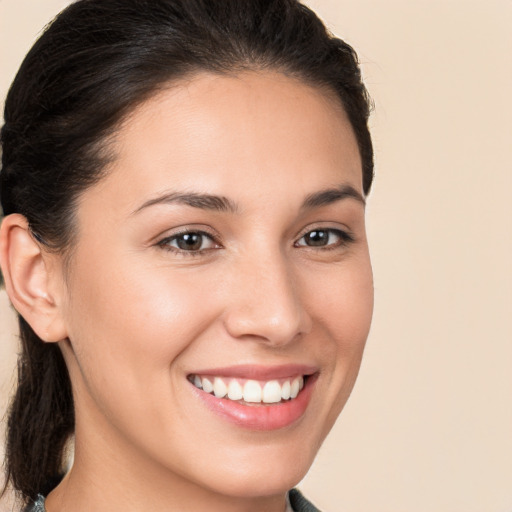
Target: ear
[30, 279]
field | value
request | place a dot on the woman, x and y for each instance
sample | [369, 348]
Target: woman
[183, 184]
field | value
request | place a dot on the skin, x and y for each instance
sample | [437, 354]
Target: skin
[135, 315]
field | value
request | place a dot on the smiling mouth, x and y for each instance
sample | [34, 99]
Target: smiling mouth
[248, 391]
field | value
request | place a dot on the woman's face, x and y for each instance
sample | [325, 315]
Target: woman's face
[225, 248]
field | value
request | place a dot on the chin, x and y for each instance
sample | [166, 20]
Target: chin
[268, 470]
[262, 481]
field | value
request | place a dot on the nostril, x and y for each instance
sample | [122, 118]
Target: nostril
[266, 304]
[271, 328]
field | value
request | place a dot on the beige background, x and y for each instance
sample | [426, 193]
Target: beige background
[429, 425]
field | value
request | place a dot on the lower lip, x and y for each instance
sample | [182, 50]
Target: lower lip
[261, 416]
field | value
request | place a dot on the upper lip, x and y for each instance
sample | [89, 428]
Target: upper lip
[259, 372]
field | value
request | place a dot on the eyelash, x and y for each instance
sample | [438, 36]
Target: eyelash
[345, 239]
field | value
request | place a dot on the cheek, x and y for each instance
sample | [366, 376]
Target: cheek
[344, 312]
[128, 331]
[345, 305]
[138, 322]
[354, 320]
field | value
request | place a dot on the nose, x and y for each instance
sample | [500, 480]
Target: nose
[265, 303]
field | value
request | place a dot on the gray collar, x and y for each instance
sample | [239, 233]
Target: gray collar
[295, 503]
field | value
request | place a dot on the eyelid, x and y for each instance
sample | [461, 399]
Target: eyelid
[185, 229]
[325, 225]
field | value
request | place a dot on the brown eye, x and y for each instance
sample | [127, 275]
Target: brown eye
[317, 238]
[324, 238]
[191, 241]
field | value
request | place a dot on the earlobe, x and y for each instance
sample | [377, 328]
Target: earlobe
[27, 279]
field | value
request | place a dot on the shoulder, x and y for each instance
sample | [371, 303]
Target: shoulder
[36, 506]
[299, 503]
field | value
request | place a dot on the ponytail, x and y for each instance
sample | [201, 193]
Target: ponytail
[41, 417]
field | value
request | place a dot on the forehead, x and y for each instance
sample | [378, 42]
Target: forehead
[255, 129]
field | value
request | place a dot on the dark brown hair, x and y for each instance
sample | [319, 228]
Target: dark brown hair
[89, 69]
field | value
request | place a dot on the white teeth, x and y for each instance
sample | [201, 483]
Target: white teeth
[252, 391]
[235, 391]
[207, 385]
[294, 391]
[285, 390]
[219, 388]
[272, 392]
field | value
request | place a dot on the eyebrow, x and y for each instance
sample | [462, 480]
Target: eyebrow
[193, 199]
[224, 204]
[332, 195]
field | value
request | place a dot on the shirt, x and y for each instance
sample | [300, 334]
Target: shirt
[295, 503]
